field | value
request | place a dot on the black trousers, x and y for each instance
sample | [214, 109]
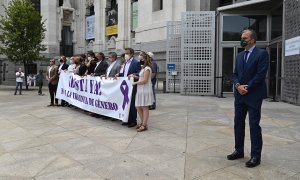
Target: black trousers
[254, 110]
[52, 91]
[132, 111]
[40, 88]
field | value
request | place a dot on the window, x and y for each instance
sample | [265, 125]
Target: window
[60, 2]
[157, 5]
[234, 25]
[37, 5]
[276, 30]
[90, 10]
[225, 2]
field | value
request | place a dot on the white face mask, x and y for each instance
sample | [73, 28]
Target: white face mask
[71, 61]
[127, 57]
[89, 58]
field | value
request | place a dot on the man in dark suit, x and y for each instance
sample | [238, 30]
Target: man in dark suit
[250, 89]
[62, 66]
[101, 65]
[131, 69]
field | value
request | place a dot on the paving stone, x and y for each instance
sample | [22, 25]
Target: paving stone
[188, 138]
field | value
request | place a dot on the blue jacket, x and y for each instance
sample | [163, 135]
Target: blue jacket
[252, 73]
[135, 68]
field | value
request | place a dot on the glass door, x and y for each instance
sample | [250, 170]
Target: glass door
[227, 68]
[228, 62]
[274, 74]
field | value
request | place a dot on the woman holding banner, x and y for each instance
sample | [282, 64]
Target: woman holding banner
[144, 95]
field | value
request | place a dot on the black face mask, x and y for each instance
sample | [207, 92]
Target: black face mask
[61, 60]
[142, 62]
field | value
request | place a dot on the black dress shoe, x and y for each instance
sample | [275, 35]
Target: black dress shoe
[253, 162]
[131, 125]
[235, 155]
[124, 124]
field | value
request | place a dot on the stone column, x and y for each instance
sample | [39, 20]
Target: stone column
[99, 43]
[49, 13]
[124, 24]
[79, 29]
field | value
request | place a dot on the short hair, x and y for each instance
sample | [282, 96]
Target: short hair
[113, 55]
[92, 54]
[102, 55]
[83, 56]
[253, 34]
[130, 50]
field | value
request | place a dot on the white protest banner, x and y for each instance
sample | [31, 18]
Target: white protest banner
[108, 97]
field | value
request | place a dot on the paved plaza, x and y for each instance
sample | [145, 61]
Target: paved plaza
[188, 138]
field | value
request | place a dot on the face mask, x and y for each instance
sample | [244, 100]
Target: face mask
[89, 58]
[71, 62]
[140, 57]
[142, 62]
[61, 60]
[127, 57]
[244, 43]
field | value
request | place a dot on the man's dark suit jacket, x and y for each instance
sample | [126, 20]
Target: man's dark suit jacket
[252, 73]
[101, 68]
[135, 68]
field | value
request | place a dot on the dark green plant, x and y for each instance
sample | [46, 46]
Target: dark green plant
[22, 33]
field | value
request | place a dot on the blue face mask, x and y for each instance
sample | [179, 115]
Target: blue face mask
[243, 43]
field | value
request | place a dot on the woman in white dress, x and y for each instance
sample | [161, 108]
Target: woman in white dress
[144, 95]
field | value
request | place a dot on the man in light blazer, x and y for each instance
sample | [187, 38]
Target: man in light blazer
[114, 67]
[52, 78]
[250, 89]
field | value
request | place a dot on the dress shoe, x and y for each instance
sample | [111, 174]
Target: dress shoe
[235, 155]
[253, 162]
[124, 124]
[50, 105]
[131, 125]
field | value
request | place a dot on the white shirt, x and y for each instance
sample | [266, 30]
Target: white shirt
[97, 64]
[59, 70]
[126, 67]
[71, 67]
[110, 67]
[49, 71]
[19, 76]
[249, 53]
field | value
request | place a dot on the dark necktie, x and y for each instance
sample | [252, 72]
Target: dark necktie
[245, 59]
[245, 56]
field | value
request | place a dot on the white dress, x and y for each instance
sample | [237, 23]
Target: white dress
[144, 95]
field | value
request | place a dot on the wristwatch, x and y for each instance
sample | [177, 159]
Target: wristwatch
[237, 85]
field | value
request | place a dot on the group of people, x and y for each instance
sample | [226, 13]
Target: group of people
[251, 67]
[31, 80]
[143, 71]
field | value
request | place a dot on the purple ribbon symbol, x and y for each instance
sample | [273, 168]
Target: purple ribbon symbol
[124, 89]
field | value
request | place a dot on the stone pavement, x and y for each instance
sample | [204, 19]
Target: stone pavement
[188, 138]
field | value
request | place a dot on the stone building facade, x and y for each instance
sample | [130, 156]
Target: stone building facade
[139, 24]
[78, 26]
